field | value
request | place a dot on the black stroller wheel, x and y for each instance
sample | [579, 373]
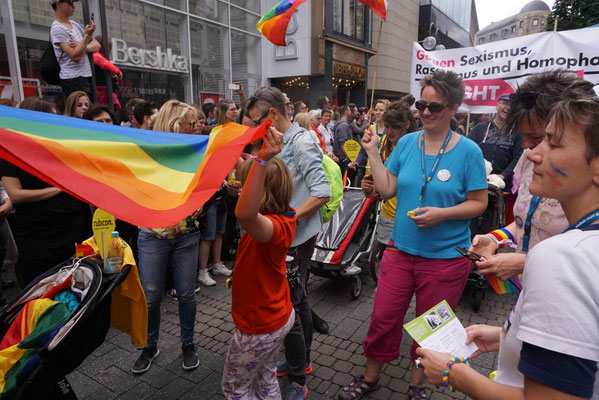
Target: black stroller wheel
[478, 297]
[375, 260]
[356, 288]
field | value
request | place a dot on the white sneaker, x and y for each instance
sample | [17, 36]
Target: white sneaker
[205, 279]
[220, 269]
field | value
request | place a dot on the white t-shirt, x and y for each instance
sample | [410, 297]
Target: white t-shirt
[548, 219]
[558, 308]
[68, 68]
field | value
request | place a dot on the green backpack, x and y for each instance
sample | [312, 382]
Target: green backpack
[333, 173]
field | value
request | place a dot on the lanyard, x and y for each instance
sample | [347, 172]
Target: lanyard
[487, 132]
[428, 178]
[534, 203]
[586, 221]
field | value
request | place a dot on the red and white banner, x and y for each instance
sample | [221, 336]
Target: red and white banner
[490, 70]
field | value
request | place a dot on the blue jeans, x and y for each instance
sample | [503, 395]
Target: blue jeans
[154, 254]
[215, 220]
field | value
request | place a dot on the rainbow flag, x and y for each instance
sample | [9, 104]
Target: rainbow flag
[512, 285]
[379, 7]
[273, 24]
[147, 178]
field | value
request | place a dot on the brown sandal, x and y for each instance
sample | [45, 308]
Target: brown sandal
[358, 388]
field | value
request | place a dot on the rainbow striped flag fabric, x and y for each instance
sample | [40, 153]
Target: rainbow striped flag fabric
[147, 178]
[379, 7]
[273, 24]
[512, 285]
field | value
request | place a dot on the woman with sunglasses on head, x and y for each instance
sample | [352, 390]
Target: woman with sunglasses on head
[535, 218]
[548, 347]
[179, 244]
[440, 182]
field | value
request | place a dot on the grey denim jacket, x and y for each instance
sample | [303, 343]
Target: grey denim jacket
[304, 160]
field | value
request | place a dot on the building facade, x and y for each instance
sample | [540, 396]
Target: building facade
[532, 18]
[452, 23]
[185, 49]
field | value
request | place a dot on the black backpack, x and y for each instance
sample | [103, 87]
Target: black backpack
[49, 66]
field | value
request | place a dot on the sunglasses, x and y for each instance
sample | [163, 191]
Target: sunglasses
[433, 107]
[526, 99]
[258, 122]
[192, 124]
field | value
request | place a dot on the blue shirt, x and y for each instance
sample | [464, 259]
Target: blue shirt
[467, 172]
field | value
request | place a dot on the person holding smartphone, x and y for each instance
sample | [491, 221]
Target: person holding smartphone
[71, 44]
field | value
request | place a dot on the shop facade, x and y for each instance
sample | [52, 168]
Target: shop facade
[189, 50]
[328, 46]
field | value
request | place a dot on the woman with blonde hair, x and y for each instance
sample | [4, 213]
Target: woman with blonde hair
[179, 244]
[77, 104]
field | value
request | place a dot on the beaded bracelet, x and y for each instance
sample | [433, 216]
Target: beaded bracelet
[502, 238]
[448, 367]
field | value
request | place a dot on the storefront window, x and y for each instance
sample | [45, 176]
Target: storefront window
[243, 20]
[176, 4]
[350, 16]
[251, 5]
[213, 10]
[246, 61]
[209, 58]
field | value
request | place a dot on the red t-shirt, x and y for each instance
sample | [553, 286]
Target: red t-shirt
[261, 299]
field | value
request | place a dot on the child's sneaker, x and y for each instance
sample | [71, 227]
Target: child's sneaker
[220, 269]
[297, 392]
[205, 279]
[172, 293]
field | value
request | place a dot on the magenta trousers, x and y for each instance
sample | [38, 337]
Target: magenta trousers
[401, 276]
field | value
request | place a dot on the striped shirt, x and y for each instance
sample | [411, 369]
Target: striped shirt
[68, 68]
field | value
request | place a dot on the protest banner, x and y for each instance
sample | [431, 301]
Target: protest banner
[492, 69]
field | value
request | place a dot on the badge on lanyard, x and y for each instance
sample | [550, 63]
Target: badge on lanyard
[443, 175]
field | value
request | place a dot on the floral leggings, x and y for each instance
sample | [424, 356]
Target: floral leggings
[251, 364]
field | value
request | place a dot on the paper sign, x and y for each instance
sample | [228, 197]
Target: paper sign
[440, 330]
[352, 148]
[102, 225]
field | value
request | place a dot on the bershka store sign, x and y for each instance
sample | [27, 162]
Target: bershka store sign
[157, 59]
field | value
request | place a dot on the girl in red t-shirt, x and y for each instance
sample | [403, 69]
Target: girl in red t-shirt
[261, 306]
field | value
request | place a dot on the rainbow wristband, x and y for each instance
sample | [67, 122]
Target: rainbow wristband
[448, 368]
[502, 237]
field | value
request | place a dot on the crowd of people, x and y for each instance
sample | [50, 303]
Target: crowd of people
[429, 168]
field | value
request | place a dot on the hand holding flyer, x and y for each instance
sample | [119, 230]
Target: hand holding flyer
[440, 330]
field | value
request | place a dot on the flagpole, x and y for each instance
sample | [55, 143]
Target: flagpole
[376, 65]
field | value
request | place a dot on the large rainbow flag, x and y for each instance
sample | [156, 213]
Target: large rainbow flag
[147, 178]
[273, 24]
[379, 7]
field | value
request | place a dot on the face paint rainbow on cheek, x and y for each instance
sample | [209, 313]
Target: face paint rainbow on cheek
[558, 174]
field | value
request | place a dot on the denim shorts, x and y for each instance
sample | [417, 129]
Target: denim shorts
[214, 221]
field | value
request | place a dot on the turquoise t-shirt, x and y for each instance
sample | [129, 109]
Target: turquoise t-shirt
[461, 169]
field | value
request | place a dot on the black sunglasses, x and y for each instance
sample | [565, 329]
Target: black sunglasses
[526, 99]
[258, 122]
[433, 107]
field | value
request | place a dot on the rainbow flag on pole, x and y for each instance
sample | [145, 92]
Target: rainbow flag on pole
[147, 178]
[512, 285]
[273, 25]
[379, 7]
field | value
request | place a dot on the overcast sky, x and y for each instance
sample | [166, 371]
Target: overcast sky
[495, 10]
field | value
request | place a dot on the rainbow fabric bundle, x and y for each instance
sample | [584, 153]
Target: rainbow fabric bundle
[512, 285]
[147, 178]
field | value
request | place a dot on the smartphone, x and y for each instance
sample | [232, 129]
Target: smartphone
[92, 16]
[470, 254]
[233, 86]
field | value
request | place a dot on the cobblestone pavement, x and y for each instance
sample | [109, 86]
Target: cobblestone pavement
[336, 357]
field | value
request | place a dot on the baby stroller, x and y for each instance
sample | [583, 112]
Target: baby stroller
[41, 370]
[492, 218]
[347, 236]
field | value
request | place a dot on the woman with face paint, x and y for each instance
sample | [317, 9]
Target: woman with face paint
[440, 182]
[535, 218]
[548, 347]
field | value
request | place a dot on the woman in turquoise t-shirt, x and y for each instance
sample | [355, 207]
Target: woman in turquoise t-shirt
[440, 181]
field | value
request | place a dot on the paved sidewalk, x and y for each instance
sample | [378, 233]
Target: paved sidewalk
[336, 358]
